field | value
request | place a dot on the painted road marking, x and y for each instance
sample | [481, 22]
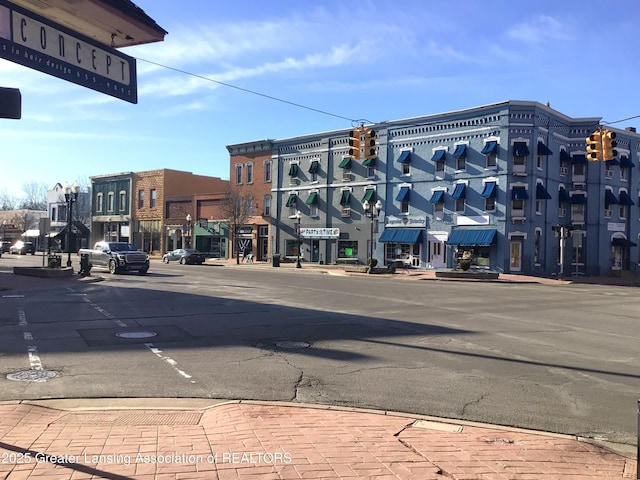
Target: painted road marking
[34, 358]
[168, 360]
[97, 307]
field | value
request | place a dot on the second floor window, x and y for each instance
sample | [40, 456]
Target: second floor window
[267, 171]
[122, 202]
[110, 199]
[140, 198]
[152, 200]
[249, 172]
[238, 174]
[99, 205]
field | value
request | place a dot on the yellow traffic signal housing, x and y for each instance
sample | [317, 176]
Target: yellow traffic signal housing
[370, 144]
[609, 145]
[594, 146]
[355, 142]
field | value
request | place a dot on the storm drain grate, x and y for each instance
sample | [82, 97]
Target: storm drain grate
[31, 376]
[133, 418]
[288, 344]
[136, 334]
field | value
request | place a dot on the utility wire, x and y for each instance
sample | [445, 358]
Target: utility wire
[202, 77]
[270, 97]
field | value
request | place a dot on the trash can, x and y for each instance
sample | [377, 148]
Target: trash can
[85, 266]
[275, 260]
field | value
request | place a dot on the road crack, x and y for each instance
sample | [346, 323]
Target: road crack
[472, 402]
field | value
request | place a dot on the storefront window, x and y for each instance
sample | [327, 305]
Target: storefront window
[479, 255]
[347, 249]
[291, 248]
[397, 251]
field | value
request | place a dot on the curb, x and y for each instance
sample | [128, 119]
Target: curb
[151, 403]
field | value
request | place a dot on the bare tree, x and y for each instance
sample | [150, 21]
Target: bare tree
[35, 196]
[237, 207]
[8, 201]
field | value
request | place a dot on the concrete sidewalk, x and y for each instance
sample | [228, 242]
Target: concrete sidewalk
[186, 439]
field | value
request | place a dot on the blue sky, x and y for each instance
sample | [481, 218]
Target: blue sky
[370, 60]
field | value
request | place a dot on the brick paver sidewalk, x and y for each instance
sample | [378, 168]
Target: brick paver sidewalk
[247, 440]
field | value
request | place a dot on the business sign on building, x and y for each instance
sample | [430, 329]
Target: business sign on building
[320, 233]
[408, 221]
[38, 43]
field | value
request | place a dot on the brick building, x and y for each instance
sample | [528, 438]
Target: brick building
[250, 175]
[163, 202]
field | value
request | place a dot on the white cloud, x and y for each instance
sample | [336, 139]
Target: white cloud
[539, 29]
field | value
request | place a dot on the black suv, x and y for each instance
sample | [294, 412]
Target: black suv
[4, 246]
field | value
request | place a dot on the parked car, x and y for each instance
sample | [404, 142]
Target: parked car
[184, 255]
[4, 246]
[22, 248]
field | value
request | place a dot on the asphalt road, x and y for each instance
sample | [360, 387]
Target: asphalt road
[555, 358]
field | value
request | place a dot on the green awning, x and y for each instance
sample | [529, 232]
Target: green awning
[345, 163]
[312, 199]
[345, 198]
[292, 200]
[293, 170]
[368, 195]
[369, 162]
[315, 166]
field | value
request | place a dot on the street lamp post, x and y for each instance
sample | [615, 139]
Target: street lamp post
[298, 265]
[70, 196]
[188, 230]
[372, 211]
[4, 226]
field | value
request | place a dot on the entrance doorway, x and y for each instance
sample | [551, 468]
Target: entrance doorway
[515, 256]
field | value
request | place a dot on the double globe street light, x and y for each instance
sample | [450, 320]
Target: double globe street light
[70, 197]
[372, 211]
[297, 216]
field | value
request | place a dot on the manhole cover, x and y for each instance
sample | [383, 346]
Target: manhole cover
[292, 345]
[136, 334]
[31, 376]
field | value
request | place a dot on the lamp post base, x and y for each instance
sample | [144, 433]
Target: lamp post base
[298, 265]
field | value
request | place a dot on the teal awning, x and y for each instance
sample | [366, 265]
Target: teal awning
[345, 197]
[579, 159]
[369, 162]
[368, 195]
[314, 167]
[312, 199]
[400, 235]
[291, 201]
[578, 199]
[472, 237]
[345, 163]
[564, 156]
[293, 170]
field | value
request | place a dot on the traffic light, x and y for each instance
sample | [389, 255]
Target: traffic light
[594, 146]
[370, 144]
[355, 142]
[609, 145]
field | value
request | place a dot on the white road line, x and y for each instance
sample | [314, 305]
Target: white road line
[168, 360]
[34, 358]
[97, 307]
[28, 336]
[22, 317]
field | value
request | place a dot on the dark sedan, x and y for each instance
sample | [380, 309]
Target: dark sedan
[184, 255]
[22, 248]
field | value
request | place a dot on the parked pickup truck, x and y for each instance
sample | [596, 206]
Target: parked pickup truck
[116, 256]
